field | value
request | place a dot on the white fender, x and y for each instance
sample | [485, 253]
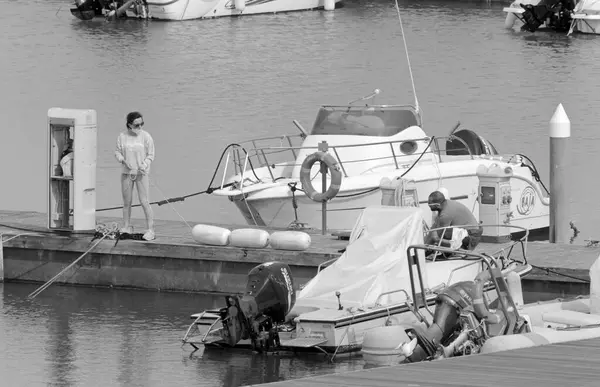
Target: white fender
[239, 5]
[290, 240]
[210, 235]
[509, 22]
[249, 238]
[385, 345]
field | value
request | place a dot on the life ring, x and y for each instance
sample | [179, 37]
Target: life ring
[334, 170]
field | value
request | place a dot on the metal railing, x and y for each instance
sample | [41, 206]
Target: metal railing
[252, 154]
[489, 260]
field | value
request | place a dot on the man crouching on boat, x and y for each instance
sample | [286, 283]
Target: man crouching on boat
[452, 213]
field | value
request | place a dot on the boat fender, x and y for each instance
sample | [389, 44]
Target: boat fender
[329, 5]
[334, 171]
[510, 20]
[383, 345]
[290, 240]
[239, 5]
[481, 311]
[249, 238]
[210, 235]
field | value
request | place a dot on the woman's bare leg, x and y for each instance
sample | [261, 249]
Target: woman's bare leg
[127, 191]
[143, 188]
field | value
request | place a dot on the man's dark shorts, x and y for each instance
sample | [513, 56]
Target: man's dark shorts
[472, 240]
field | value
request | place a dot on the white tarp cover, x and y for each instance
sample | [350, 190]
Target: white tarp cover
[374, 262]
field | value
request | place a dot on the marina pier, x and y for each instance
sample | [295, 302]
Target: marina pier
[175, 262]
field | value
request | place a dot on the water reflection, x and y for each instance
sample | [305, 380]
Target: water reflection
[242, 367]
[99, 28]
[60, 348]
[98, 337]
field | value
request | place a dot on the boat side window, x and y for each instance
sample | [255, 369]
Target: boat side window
[363, 121]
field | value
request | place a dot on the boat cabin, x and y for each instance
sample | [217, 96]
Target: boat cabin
[376, 120]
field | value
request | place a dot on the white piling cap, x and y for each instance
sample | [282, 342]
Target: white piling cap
[560, 125]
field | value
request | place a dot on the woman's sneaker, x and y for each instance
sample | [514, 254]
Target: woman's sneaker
[126, 230]
[149, 235]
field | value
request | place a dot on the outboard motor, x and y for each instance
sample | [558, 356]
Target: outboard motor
[555, 13]
[448, 306]
[269, 297]
[462, 321]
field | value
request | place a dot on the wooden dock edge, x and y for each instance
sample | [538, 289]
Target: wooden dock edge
[176, 263]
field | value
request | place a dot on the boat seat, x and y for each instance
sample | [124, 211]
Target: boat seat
[570, 317]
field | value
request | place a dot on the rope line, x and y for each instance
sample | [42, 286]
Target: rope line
[106, 232]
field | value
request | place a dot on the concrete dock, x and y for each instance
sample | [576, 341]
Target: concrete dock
[175, 262]
[566, 364]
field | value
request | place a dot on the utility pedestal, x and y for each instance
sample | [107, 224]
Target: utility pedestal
[495, 198]
[71, 169]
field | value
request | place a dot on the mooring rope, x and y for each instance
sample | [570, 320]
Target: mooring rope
[169, 202]
[106, 232]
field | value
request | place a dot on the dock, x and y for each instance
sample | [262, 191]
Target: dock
[175, 262]
[572, 363]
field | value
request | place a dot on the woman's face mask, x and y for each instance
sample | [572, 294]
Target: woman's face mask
[136, 126]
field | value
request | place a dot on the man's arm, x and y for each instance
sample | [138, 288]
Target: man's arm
[433, 238]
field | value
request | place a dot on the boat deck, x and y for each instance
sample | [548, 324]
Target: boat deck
[566, 364]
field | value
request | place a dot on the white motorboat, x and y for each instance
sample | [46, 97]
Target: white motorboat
[464, 322]
[191, 9]
[367, 286]
[369, 148]
[565, 16]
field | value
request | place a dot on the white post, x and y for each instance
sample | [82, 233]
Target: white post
[560, 132]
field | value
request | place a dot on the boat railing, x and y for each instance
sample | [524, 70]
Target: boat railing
[278, 151]
[488, 260]
[505, 251]
[377, 304]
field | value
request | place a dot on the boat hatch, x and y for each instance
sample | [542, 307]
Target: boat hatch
[304, 342]
[380, 121]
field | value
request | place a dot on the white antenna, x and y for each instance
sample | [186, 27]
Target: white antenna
[412, 80]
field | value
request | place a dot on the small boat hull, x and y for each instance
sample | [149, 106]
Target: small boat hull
[83, 15]
[178, 10]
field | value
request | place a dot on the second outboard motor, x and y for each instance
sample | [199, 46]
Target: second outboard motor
[448, 306]
[268, 298]
[555, 13]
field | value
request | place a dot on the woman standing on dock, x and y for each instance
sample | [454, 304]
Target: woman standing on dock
[135, 151]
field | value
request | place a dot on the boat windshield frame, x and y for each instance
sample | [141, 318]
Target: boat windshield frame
[365, 120]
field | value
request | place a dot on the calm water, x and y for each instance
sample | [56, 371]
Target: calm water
[205, 84]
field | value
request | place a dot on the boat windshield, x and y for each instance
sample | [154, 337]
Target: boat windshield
[364, 121]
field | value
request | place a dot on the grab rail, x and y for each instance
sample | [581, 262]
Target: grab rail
[376, 303]
[263, 155]
[325, 263]
[522, 240]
